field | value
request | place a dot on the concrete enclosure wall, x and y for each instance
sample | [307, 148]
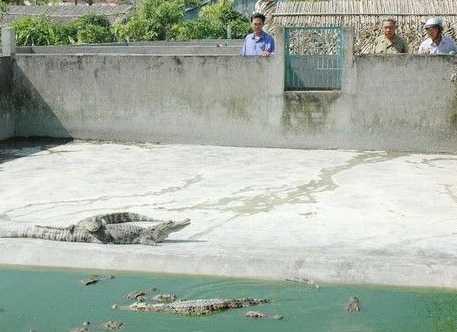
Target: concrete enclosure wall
[5, 75]
[193, 47]
[6, 111]
[397, 102]
[190, 99]
[152, 50]
[408, 102]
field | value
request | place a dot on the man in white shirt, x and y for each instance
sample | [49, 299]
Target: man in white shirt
[437, 44]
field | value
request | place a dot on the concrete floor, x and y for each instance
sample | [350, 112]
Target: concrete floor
[330, 216]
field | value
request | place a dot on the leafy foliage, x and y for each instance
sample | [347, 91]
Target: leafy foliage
[135, 29]
[92, 29]
[213, 22]
[35, 31]
[3, 5]
[192, 3]
[41, 31]
[94, 34]
[97, 20]
[154, 20]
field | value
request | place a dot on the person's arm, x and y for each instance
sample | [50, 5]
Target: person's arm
[377, 49]
[243, 49]
[422, 49]
[406, 48]
[453, 47]
[270, 48]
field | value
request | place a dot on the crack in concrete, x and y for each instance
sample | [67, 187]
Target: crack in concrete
[300, 194]
[208, 230]
[403, 243]
[306, 193]
[450, 193]
[87, 201]
[430, 162]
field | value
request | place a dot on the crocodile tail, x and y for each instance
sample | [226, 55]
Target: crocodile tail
[21, 231]
[44, 233]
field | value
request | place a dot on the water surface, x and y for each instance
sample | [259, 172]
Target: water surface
[51, 300]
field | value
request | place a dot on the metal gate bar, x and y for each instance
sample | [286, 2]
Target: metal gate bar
[314, 58]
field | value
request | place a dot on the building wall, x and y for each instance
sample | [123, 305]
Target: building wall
[6, 111]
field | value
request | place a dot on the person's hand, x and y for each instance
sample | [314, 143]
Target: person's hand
[266, 53]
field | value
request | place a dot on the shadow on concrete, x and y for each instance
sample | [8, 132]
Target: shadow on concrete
[36, 126]
[33, 115]
[18, 147]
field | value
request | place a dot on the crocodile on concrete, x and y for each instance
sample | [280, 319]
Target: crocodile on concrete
[199, 307]
[114, 228]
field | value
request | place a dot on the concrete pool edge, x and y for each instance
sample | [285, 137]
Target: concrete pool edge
[330, 268]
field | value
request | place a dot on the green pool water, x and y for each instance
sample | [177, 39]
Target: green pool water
[50, 300]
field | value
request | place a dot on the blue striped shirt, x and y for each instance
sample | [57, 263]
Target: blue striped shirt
[255, 47]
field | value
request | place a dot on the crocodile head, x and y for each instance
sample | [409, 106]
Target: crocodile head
[161, 231]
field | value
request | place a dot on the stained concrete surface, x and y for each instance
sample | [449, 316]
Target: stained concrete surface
[328, 215]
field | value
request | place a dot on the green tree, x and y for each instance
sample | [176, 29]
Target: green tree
[92, 19]
[92, 34]
[135, 29]
[192, 3]
[92, 29]
[162, 15]
[213, 22]
[3, 5]
[35, 31]
[42, 31]
[154, 20]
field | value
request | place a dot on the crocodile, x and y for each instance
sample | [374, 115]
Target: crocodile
[95, 278]
[112, 325]
[146, 294]
[261, 315]
[353, 304]
[113, 228]
[198, 307]
[164, 298]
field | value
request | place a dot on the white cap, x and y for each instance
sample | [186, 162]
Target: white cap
[433, 22]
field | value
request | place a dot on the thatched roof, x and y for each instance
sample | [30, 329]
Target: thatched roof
[365, 17]
[66, 13]
[297, 11]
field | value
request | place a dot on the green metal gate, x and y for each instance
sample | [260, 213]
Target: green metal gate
[314, 58]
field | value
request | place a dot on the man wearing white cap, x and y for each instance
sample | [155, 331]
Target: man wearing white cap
[437, 43]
